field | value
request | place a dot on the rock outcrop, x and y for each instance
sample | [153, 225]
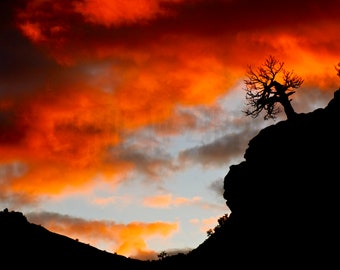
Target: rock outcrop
[284, 197]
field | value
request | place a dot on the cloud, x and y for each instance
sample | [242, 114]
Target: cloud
[80, 83]
[195, 25]
[110, 200]
[167, 200]
[147, 160]
[124, 239]
[218, 187]
[58, 142]
[115, 13]
[170, 201]
[220, 151]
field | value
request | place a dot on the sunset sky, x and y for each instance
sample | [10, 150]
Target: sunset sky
[120, 118]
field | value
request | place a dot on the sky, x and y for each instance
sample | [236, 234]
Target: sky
[120, 119]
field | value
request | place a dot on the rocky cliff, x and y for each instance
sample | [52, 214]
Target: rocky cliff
[284, 197]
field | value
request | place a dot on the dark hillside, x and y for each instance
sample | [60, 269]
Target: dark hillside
[26, 245]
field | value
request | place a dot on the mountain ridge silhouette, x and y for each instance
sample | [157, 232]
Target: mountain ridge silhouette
[283, 198]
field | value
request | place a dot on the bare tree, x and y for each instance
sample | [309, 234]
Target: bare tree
[268, 85]
[162, 255]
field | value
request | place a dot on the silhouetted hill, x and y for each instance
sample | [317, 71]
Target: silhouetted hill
[284, 197]
[284, 202]
[27, 245]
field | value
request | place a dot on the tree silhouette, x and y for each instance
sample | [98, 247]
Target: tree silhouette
[268, 85]
[221, 222]
[210, 232]
[162, 255]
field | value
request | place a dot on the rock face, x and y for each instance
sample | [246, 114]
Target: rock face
[284, 198]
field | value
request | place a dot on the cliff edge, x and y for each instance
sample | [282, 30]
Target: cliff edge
[284, 197]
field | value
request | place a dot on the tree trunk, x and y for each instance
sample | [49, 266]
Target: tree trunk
[288, 108]
[284, 100]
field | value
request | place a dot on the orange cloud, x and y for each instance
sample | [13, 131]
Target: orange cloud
[167, 200]
[32, 31]
[63, 144]
[209, 58]
[120, 12]
[158, 201]
[110, 200]
[100, 77]
[133, 243]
